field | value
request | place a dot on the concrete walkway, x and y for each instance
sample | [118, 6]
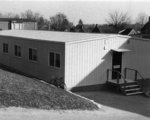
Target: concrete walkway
[139, 104]
[107, 113]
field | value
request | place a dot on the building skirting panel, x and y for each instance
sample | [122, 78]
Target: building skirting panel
[89, 88]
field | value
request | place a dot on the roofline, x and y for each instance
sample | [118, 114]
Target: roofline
[92, 39]
[144, 26]
[81, 41]
[135, 38]
[32, 39]
[17, 19]
[112, 36]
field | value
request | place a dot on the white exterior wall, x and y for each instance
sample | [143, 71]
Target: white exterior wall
[86, 62]
[24, 26]
[17, 26]
[139, 57]
[30, 25]
[3, 25]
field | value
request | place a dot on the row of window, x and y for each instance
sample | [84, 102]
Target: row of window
[54, 58]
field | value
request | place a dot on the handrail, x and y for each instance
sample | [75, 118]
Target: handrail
[118, 73]
[140, 75]
[136, 73]
[125, 75]
[131, 69]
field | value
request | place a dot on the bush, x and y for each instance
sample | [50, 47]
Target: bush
[58, 82]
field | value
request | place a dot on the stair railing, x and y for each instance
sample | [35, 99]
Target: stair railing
[136, 73]
[118, 74]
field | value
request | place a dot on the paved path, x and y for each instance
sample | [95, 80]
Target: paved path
[138, 104]
[107, 113]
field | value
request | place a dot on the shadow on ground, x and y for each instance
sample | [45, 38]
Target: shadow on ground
[139, 104]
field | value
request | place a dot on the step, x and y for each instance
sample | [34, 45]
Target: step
[121, 81]
[130, 86]
[132, 89]
[134, 93]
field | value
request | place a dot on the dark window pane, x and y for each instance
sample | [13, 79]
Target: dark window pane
[51, 59]
[30, 54]
[19, 51]
[15, 50]
[34, 57]
[57, 60]
[5, 47]
[34, 54]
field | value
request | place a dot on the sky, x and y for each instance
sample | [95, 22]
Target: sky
[90, 11]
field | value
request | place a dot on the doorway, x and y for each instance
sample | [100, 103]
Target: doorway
[116, 64]
[9, 25]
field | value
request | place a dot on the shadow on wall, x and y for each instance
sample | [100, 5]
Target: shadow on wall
[99, 73]
[138, 104]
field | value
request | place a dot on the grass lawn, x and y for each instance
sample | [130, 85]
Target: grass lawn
[21, 91]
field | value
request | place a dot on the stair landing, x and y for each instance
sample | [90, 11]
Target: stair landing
[132, 87]
[121, 81]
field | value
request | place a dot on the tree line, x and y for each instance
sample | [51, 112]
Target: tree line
[115, 21]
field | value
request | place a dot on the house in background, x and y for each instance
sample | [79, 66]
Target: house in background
[85, 28]
[96, 29]
[145, 31]
[85, 61]
[17, 24]
[128, 31]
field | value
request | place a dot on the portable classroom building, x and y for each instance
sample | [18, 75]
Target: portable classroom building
[82, 59]
[17, 24]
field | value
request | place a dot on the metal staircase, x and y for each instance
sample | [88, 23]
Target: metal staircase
[124, 85]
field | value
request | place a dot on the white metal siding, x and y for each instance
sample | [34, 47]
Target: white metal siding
[30, 26]
[86, 62]
[4, 25]
[39, 68]
[139, 57]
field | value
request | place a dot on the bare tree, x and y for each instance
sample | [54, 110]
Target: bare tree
[142, 18]
[119, 20]
[59, 22]
[80, 22]
[41, 21]
[43, 24]
[30, 15]
[9, 15]
[27, 14]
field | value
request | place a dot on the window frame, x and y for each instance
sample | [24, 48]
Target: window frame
[4, 48]
[54, 59]
[15, 51]
[32, 55]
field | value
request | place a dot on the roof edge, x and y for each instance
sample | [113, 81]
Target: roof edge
[135, 38]
[111, 36]
[59, 42]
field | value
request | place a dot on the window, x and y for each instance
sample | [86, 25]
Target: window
[32, 54]
[5, 48]
[54, 59]
[17, 51]
[57, 60]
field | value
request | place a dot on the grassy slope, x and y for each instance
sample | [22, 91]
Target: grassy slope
[20, 91]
